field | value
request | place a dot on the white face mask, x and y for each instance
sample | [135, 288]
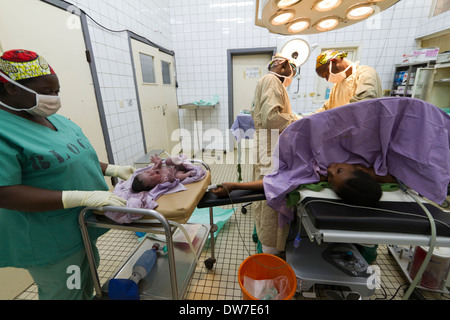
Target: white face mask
[338, 77]
[45, 106]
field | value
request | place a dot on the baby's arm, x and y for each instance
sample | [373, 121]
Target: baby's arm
[157, 161]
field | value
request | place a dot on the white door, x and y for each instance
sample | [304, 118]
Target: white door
[247, 70]
[170, 103]
[157, 97]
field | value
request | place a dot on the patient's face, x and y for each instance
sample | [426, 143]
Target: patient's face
[339, 173]
[151, 177]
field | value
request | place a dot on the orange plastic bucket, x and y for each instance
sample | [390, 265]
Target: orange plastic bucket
[266, 266]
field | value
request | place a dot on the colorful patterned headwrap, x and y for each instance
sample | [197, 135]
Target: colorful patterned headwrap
[23, 64]
[328, 55]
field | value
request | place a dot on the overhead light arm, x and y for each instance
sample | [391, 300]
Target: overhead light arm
[258, 20]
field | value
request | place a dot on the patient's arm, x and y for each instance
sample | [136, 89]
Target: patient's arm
[226, 187]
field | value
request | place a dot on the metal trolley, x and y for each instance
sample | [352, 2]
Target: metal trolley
[173, 270]
[165, 274]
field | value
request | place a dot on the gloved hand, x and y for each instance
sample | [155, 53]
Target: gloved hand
[122, 172]
[71, 199]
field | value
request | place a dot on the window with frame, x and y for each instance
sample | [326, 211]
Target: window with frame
[147, 68]
[165, 69]
[439, 6]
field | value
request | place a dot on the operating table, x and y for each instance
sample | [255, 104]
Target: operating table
[325, 220]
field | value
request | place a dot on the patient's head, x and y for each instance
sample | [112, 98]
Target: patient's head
[354, 184]
[147, 180]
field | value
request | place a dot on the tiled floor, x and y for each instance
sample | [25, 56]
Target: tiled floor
[233, 244]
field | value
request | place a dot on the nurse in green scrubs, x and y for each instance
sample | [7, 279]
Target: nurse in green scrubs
[48, 171]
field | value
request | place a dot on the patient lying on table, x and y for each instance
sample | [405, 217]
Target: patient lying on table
[406, 138]
[146, 185]
[353, 183]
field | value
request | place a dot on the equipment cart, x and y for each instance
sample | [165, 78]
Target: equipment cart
[172, 272]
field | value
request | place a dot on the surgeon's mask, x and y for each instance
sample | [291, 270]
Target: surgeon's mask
[46, 105]
[338, 77]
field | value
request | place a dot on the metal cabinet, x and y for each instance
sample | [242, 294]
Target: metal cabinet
[406, 77]
[422, 83]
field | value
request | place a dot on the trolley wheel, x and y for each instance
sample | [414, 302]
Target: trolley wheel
[244, 210]
[209, 263]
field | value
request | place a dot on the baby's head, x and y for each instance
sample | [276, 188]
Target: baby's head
[146, 180]
[354, 184]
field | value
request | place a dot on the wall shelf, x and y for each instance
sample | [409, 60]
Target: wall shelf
[194, 106]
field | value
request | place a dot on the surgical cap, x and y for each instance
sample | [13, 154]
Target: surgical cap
[328, 55]
[278, 59]
[23, 64]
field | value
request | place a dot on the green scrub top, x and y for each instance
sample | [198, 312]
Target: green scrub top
[34, 155]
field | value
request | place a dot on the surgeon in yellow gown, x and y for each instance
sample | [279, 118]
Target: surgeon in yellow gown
[271, 114]
[352, 82]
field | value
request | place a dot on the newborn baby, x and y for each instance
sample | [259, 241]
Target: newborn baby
[172, 169]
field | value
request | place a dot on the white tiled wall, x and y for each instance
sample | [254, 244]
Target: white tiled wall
[427, 26]
[201, 31]
[108, 22]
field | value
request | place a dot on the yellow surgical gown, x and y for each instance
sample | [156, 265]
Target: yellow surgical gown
[271, 114]
[362, 84]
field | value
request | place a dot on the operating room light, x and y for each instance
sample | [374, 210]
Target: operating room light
[326, 5]
[298, 25]
[296, 50]
[327, 23]
[360, 12]
[297, 17]
[286, 3]
[282, 17]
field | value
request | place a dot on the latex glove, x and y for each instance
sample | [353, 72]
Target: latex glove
[71, 199]
[122, 172]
